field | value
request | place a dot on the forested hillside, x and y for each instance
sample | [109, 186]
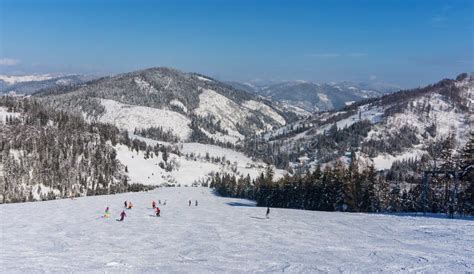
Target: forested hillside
[313, 97]
[360, 188]
[372, 155]
[400, 126]
[46, 154]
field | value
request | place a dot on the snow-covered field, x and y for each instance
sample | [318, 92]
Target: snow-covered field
[187, 171]
[385, 161]
[130, 117]
[222, 235]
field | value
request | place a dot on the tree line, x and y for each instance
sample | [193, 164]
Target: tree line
[354, 187]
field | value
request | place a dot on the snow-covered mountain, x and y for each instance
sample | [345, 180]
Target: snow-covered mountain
[104, 151]
[187, 106]
[162, 126]
[409, 124]
[28, 84]
[47, 154]
[313, 97]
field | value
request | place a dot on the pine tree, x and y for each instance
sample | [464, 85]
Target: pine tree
[369, 201]
[466, 195]
[447, 151]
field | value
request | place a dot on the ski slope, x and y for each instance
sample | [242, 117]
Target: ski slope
[222, 234]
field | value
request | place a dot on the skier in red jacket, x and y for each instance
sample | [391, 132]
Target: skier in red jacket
[158, 211]
[122, 216]
[153, 204]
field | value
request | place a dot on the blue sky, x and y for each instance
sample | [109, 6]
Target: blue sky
[409, 43]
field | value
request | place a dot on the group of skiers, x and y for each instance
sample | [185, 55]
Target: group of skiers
[156, 208]
[153, 204]
[129, 205]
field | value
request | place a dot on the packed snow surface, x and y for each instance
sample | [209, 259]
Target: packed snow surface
[222, 235]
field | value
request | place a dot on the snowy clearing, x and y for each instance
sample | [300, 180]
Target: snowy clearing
[187, 171]
[130, 117]
[224, 109]
[179, 104]
[323, 97]
[144, 85]
[4, 113]
[222, 234]
[374, 115]
[258, 106]
[385, 161]
[203, 78]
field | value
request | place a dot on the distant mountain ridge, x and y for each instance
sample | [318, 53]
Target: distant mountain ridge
[189, 106]
[313, 97]
[29, 84]
[409, 124]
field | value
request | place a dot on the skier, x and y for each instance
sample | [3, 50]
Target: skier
[125, 204]
[451, 211]
[196, 203]
[268, 212]
[107, 214]
[158, 212]
[159, 202]
[164, 203]
[122, 216]
[189, 202]
[130, 205]
[153, 204]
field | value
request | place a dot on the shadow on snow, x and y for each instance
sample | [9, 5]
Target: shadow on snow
[427, 215]
[259, 218]
[241, 204]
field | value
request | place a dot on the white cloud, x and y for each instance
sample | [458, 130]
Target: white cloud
[357, 54]
[324, 55]
[465, 61]
[336, 55]
[9, 62]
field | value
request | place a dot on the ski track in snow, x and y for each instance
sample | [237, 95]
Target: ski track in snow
[222, 234]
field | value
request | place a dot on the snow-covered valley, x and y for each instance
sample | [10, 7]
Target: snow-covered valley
[222, 235]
